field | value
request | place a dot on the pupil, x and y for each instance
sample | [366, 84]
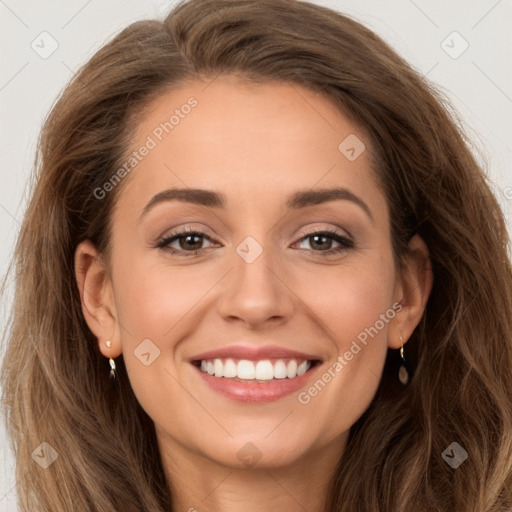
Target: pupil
[315, 237]
[188, 237]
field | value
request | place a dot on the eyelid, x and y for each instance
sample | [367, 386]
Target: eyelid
[185, 230]
[346, 242]
[330, 230]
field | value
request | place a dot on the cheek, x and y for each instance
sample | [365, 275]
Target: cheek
[355, 308]
[350, 299]
[149, 314]
[151, 298]
[157, 306]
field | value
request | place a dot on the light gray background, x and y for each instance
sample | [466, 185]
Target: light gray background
[478, 82]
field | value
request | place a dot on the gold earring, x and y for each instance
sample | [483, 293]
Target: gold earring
[403, 373]
[112, 362]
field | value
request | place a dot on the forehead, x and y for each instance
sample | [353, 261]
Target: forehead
[252, 141]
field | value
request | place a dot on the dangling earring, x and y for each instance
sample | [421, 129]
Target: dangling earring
[112, 369]
[112, 362]
[403, 373]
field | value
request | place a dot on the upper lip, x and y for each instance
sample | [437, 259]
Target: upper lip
[253, 353]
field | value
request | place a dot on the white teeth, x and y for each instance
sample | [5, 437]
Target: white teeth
[245, 369]
[303, 368]
[291, 369]
[264, 371]
[255, 370]
[279, 370]
[218, 366]
[230, 369]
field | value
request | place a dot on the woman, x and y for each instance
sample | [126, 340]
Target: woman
[260, 269]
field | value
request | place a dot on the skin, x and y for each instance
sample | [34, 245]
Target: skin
[257, 145]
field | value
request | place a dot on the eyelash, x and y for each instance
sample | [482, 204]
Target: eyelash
[345, 242]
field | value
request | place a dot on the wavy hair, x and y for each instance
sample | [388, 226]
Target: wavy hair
[55, 380]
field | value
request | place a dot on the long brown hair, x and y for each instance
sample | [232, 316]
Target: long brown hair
[56, 386]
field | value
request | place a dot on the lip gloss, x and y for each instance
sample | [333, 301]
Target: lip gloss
[252, 391]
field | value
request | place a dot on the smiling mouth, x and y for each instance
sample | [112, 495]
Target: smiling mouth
[262, 371]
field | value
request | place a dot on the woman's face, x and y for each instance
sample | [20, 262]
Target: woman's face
[262, 280]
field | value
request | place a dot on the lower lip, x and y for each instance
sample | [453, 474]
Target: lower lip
[256, 391]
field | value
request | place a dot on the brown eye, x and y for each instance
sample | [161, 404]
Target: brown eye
[321, 242]
[193, 242]
[186, 243]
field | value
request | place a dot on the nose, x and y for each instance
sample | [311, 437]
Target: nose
[257, 292]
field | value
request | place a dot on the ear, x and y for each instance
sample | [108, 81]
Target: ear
[97, 298]
[414, 289]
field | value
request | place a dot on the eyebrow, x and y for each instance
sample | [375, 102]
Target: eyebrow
[298, 200]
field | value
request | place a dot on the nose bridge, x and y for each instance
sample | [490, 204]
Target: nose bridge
[255, 291]
[254, 261]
